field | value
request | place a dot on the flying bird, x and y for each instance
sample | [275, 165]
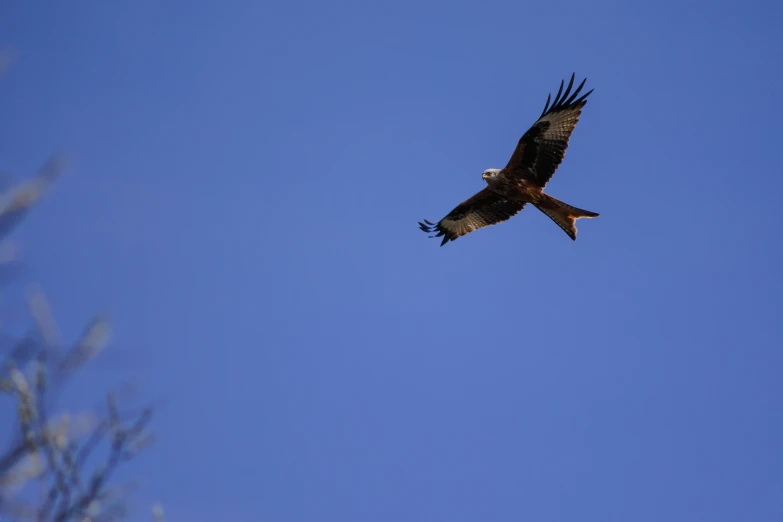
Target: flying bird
[534, 161]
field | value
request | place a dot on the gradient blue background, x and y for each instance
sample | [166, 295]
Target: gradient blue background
[245, 184]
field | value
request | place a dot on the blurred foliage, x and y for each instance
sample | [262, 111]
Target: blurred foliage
[57, 465]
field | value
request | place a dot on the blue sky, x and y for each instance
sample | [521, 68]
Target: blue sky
[242, 201]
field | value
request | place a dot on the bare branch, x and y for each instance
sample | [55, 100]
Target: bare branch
[70, 458]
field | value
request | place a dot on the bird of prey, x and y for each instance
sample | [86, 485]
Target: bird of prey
[534, 161]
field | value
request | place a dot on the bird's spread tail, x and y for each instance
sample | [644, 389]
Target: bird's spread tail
[563, 214]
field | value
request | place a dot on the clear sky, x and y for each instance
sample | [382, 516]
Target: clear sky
[245, 183]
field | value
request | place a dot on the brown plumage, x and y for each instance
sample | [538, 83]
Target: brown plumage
[534, 161]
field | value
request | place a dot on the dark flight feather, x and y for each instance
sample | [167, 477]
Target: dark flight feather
[542, 148]
[481, 210]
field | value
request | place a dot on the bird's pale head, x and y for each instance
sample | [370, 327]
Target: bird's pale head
[489, 174]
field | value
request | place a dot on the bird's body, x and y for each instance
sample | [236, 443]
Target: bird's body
[533, 163]
[512, 187]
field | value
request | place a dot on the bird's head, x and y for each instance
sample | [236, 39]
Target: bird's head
[490, 174]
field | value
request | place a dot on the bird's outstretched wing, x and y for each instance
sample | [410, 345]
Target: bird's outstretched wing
[542, 148]
[481, 210]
